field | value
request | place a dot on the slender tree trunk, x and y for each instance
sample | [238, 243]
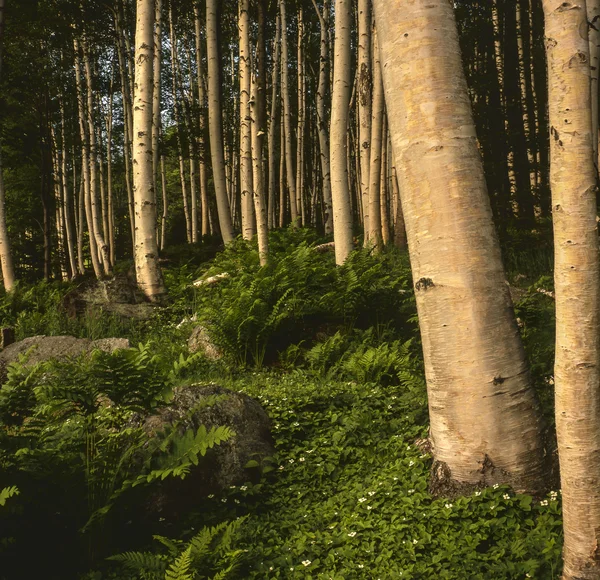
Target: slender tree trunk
[215, 122]
[322, 118]
[301, 122]
[80, 218]
[65, 194]
[374, 237]
[127, 118]
[165, 203]
[260, 206]
[287, 115]
[365, 88]
[485, 426]
[95, 227]
[201, 124]
[177, 117]
[85, 164]
[384, 181]
[109, 176]
[148, 274]
[57, 155]
[577, 285]
[593, 18]
[273, 121]
[8, 270]
[244, 72]
[156, 100]
[282, 173]
[340, 105]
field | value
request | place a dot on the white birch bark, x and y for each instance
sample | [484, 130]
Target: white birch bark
[148, 274]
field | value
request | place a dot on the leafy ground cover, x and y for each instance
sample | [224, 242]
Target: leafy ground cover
[333, 356]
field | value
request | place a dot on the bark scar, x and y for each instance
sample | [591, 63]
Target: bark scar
[424, 284]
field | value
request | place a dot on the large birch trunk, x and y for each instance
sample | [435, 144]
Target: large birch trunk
[485, 424]
[147, 270]
[577, 285]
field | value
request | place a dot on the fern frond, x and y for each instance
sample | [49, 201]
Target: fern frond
[7, 493]
[180, 569]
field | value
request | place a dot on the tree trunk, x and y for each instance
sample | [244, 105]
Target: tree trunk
[215, 122]
[147, 270]
[85, 164]
[593, 18]
[287, 115]
[127, 119]
[365, 88]
[177, 118]
[8, 271]
[485, 426]
[577, 286]
[282, 173]
[384, 182]
[156, 100]
[301, 122]
[322, 118]
[258, 181]
[95, 227]
[273, 122]
[340, 109]
[201, 124]
[65, 195]
[373, 235]
[165, 203]
[109, 184]
[244, 72]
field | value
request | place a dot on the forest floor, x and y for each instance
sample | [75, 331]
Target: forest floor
[333, 356]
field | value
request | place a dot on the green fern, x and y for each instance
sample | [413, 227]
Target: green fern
[180, 569]
[209, 554]
[6, 494]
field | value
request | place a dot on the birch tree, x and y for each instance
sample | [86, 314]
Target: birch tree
[485, 424]
[215, 126]
[340, 108]
[148, 274]
[577, 285]
[8, 271]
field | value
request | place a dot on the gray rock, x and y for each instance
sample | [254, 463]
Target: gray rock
[200, 341]
[224, 465]
[118, 295]
[43, 348]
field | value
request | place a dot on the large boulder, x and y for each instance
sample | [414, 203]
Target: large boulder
[43, 348]
[118, 295]
[224, 465]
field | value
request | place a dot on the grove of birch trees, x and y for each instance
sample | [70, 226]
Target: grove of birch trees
[446, 129]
